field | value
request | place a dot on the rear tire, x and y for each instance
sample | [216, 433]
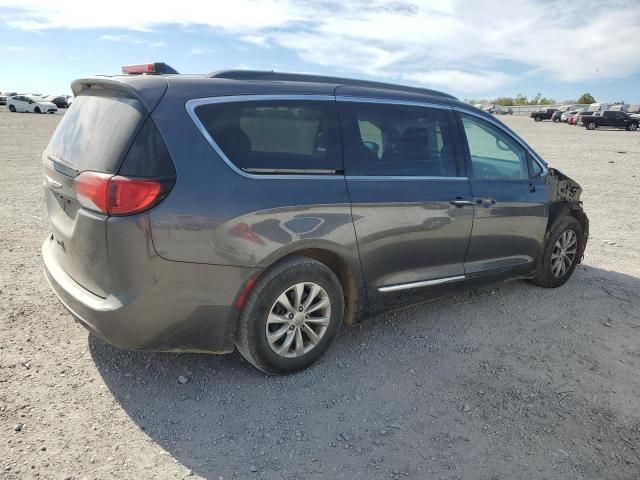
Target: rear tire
[297, 338]
[12, 108]
[633, 127]
[564, 236]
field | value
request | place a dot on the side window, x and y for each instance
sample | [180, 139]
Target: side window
[536, 168]
[263, 136]
[494, 154]
[396, 140]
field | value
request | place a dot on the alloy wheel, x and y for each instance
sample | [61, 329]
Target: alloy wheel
[298, 319]
[564, 253]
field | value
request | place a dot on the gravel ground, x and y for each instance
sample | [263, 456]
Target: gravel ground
[508, 382]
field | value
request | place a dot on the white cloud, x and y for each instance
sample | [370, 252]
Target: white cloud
[259, 40]
[143, 15]
[452, 44]
[124, 38]
[195, 51]
[16, 48]
[463, 81]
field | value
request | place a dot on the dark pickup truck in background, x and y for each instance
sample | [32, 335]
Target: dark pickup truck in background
[610, 118]
[543, 114]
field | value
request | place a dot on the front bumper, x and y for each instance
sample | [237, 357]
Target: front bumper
[187, 308]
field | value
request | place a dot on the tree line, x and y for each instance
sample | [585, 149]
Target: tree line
[519, 99]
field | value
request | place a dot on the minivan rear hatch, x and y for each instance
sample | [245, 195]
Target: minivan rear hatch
[94, 135]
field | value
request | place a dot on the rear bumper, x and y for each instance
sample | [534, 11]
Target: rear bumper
[184, 308]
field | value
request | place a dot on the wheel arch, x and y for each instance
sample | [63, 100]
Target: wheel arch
[575, 210]
[344, 265]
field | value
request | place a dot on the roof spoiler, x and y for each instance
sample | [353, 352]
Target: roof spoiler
[149, 89]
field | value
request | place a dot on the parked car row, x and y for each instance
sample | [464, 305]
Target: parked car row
[27, 101]
[595, 116]
[573, 115]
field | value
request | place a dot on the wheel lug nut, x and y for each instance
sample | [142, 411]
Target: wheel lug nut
[306, 317]
[300, 309]
[291, 327]
[290, 316]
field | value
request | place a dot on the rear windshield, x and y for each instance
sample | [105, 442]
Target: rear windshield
[95, 132]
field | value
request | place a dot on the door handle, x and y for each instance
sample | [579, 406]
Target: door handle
[532, 188]
[486, 201]
[461, 202]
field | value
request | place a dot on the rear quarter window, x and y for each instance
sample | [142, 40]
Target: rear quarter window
[263, 136]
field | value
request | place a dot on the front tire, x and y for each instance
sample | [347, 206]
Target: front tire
[591, 126]
[12, 108]
[538, 119]
[562, 251]
[37, 110]
[291, 316]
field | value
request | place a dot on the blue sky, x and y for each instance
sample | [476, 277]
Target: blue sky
[471, 49]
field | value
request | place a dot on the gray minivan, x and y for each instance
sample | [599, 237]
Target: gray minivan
[264, 210]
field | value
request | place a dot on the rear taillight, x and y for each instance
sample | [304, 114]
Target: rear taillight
[118, 195]
[92, 191]
[130, 195]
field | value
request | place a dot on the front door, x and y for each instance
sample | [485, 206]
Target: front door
[510, 213]
[20, 104]
[621, 119]
[411, 203]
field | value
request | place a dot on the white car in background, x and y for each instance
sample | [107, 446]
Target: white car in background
[28, 103]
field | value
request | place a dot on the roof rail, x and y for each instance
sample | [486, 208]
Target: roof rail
[303, 77]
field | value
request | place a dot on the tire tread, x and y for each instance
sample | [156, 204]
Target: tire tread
[245, 341]
[543, 276]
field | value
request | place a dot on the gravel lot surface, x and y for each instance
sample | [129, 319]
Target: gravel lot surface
[509, 382]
